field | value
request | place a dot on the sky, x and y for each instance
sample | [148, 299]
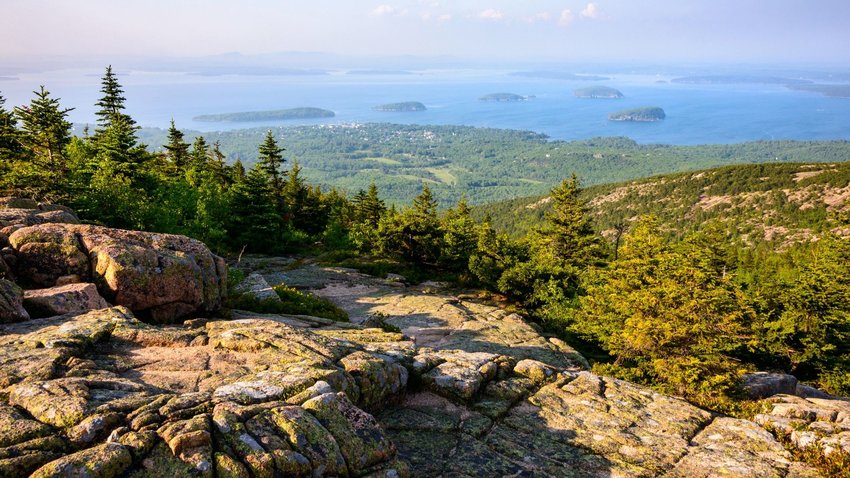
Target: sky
[747, 31]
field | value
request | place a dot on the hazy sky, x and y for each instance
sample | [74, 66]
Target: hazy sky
[654, 30]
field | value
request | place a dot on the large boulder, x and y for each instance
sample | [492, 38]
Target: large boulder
[766, 384]
[64, 299]
[18, 212]
[161, 277]
[11, 303]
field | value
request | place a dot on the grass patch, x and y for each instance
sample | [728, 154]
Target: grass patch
[443, 175]
[292, 302]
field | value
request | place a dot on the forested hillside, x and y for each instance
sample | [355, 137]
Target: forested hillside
[484, 164]
[763, 202]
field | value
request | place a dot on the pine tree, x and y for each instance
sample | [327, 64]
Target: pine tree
[236, 172]
[177, 150]
[46, 131]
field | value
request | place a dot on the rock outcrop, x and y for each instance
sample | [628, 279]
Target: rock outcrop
[463, 390]
[159, 276]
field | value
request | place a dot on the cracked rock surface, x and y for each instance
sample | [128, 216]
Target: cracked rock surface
[464, 390]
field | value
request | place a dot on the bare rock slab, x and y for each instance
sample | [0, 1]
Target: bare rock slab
[63, 300]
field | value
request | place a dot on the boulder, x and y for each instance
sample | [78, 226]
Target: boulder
[161, 277]
[11, 303]
[63, 300]
[12, 202]
[257, 286]
[765, 384]
[105, 461]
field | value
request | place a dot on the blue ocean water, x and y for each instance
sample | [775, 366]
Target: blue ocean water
[695, 113]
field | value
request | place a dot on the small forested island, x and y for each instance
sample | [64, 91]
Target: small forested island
[403, 107]
[503, 97]
[248, 116]
[598, 92]
[643, 115]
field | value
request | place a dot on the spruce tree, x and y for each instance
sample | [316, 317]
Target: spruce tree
[200, 153]
[460, 237]
[46, 131]
[253, 222]
[217, 166]
[111, 104]
[177, 150]
[271, 161]
[568, 234]
[368, 206]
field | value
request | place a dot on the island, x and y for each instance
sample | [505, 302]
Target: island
[403, 107]
[272, 115]
[598, 92]
[643, 115]
[503, 97]
[558, 75]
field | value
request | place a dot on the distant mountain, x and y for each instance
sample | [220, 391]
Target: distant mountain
[778, 203]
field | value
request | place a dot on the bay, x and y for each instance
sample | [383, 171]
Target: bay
[696, 114]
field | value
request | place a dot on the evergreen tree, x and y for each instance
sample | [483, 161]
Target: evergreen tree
[177, 150]
[46, 131]
[111, 104]
[253, 222]
[414, 235]
[200, 153]
[368, 206]
[236, 172]
[667, 317]
[217, 166]
[568, 235]
[460, 237]
[271, 161]
[10, 138]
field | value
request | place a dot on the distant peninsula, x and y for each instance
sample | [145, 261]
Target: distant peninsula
[403, 107]
[598, 92]
[557, 75]
[739, 80]
[272, 115]
[642, 115]
[503, 97]
[835, 91]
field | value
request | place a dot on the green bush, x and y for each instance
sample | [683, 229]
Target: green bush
[292, 302]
